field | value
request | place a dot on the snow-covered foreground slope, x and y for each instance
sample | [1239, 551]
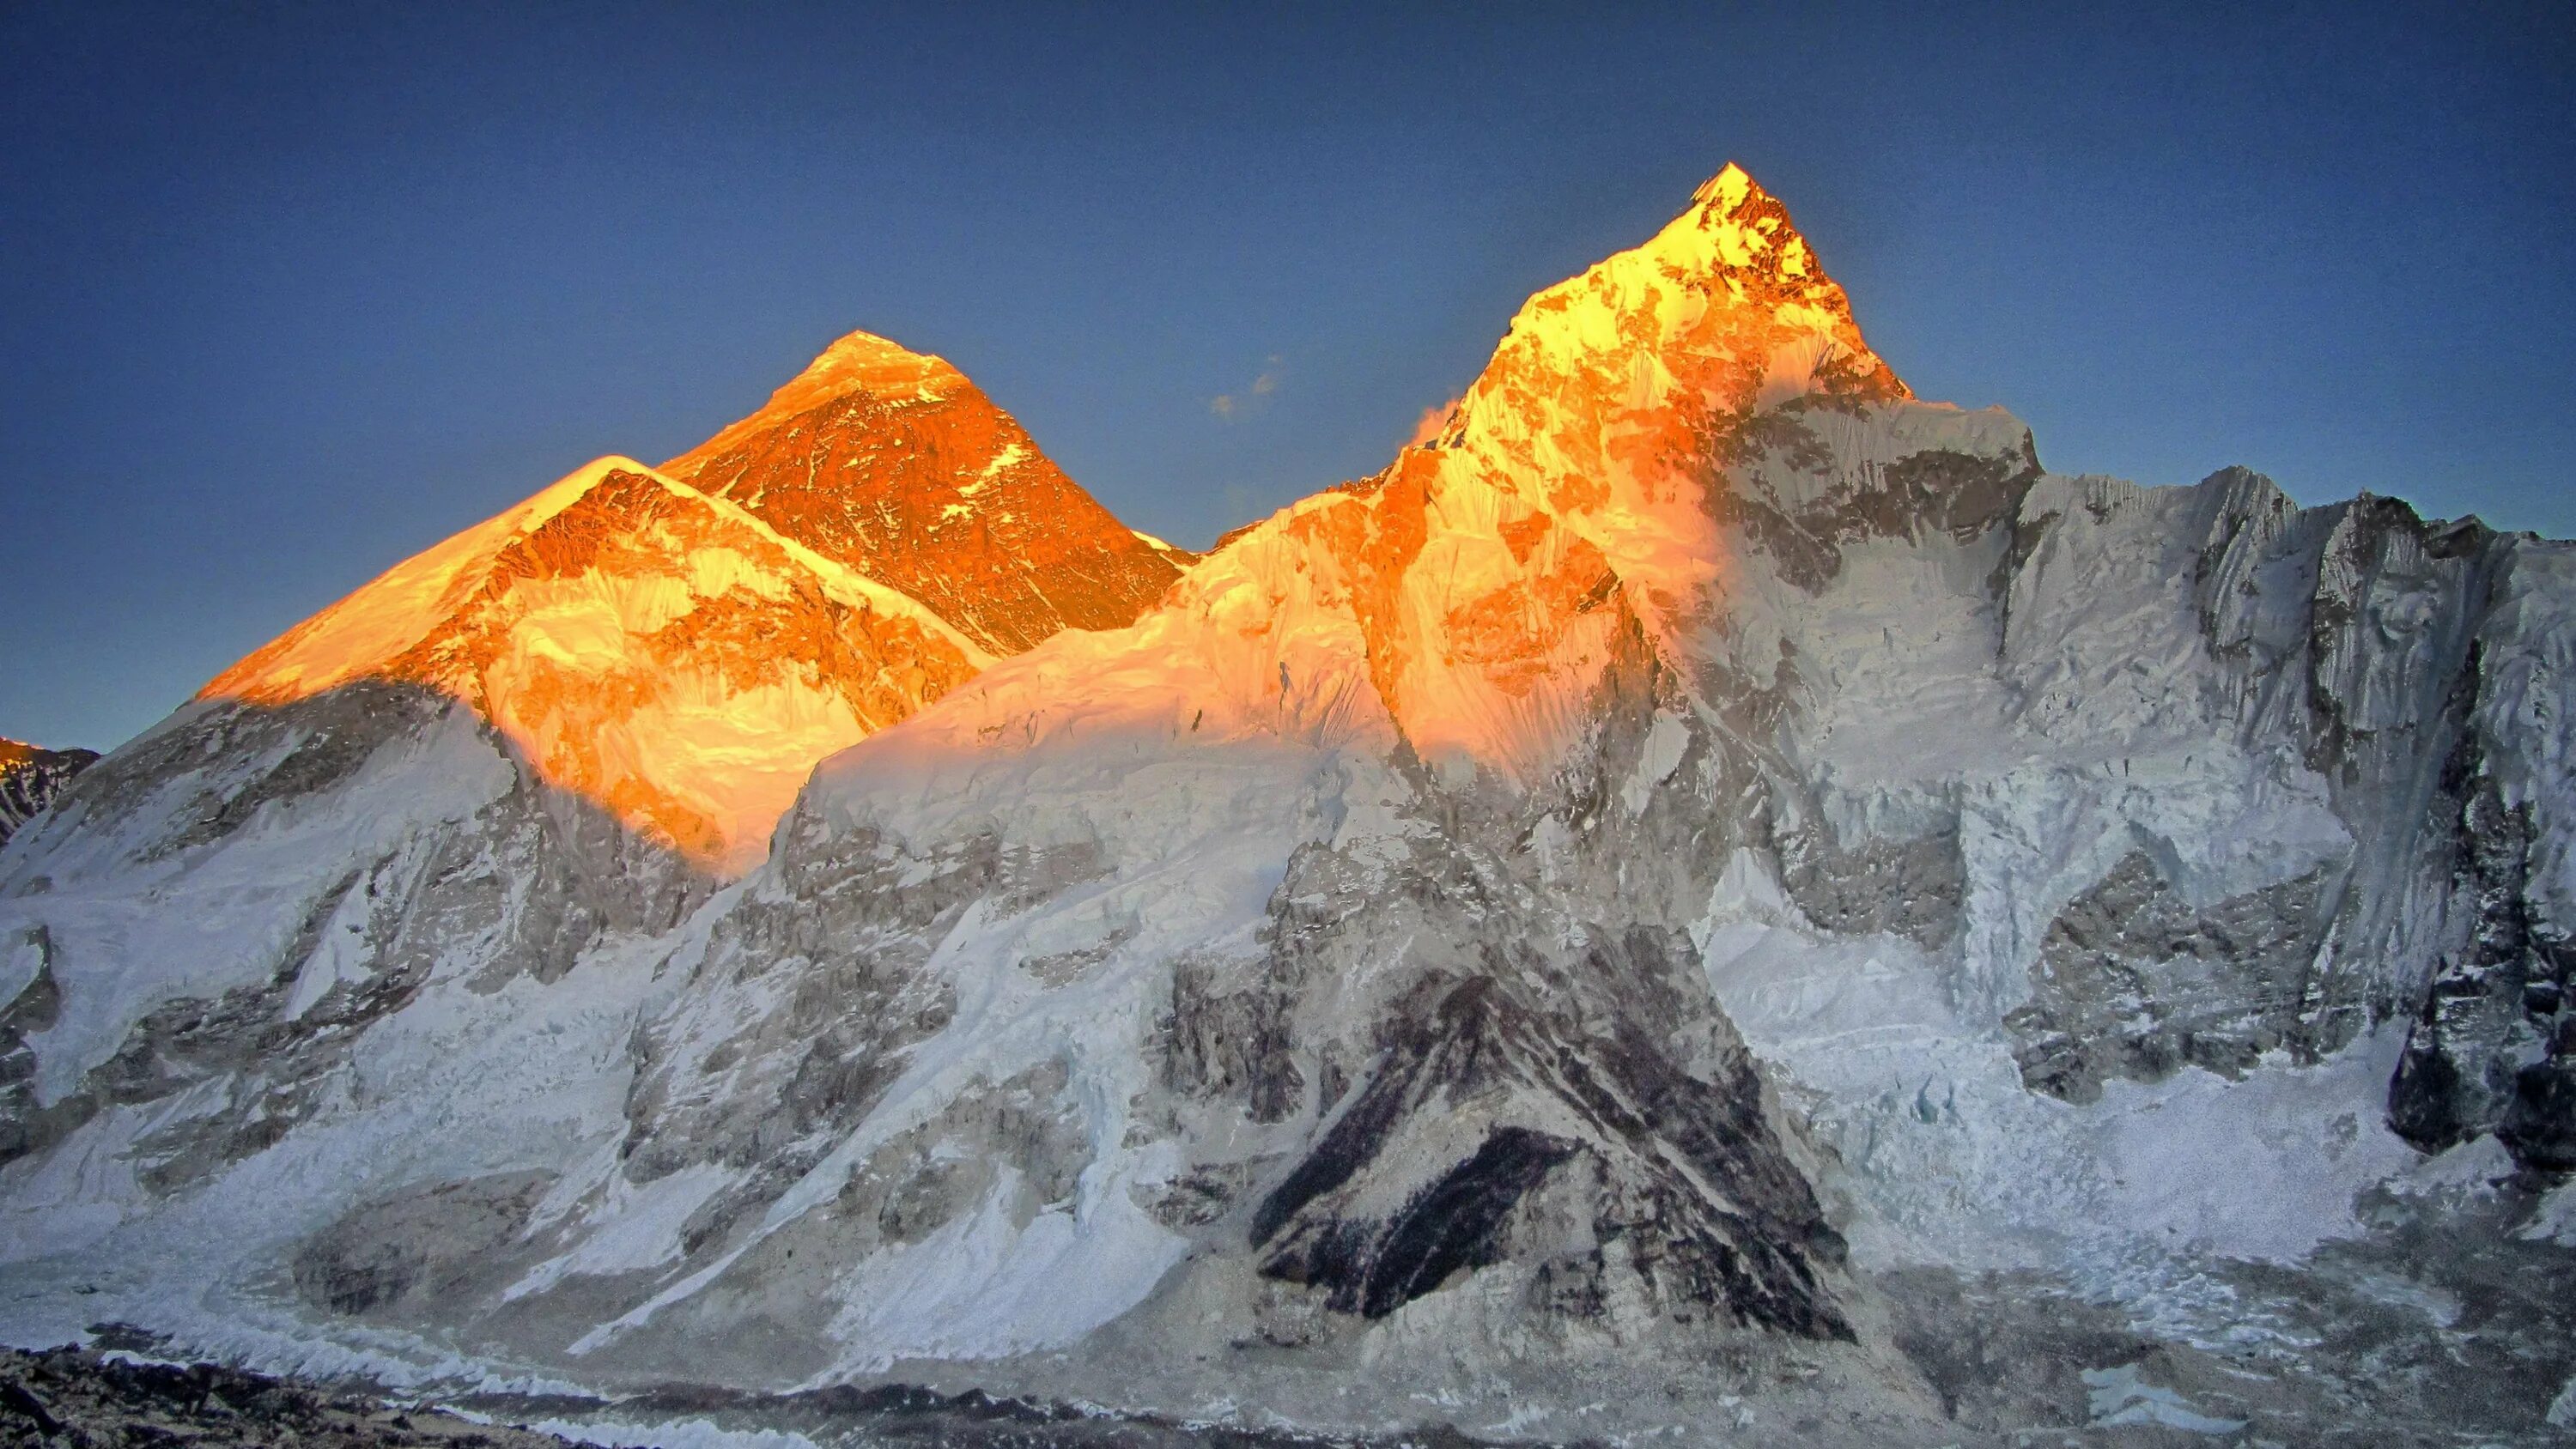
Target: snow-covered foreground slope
[1711, 897]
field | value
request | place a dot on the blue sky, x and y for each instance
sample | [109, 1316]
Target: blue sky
[290, 292]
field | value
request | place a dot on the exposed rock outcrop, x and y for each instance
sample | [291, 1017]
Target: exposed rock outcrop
[894, 464]
[30, 778]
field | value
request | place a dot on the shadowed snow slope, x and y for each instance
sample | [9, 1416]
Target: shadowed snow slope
[1631, 916]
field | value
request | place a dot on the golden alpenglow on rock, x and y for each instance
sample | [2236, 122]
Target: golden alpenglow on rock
[1710, 899]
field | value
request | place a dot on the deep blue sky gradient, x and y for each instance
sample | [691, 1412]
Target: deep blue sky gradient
[290, 292]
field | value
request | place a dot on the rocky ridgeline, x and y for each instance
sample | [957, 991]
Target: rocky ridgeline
[69, 1398]
[30, 778]
[1709, 892]
[74, 1398]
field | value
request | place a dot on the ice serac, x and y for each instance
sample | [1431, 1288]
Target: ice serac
[1710, 891]
[30, 777]
[892, 463]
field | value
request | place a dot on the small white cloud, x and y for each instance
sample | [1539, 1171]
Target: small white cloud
[1251, 396]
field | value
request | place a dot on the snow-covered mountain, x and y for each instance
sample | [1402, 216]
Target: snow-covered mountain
[656, 651]
[1710, 896]
[30, 777]
[894, 464]
[682, 656]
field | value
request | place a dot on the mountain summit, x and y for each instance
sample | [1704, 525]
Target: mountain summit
[860, 362]
[1726, 304]
[679, 647]
[1576, 501]
[893, 463]
[1710, 892]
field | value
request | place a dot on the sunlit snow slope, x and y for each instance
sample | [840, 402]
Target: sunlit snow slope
[1710, 892]
[659, 652]
[681, 656]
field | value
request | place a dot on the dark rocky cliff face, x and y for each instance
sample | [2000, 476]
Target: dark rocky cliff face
[30, 778]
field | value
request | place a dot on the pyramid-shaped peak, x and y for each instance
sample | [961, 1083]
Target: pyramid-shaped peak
[892, 463]
[1733, 225]
[865, 362]
[1727, 305]
[858, 362]
[1728, 190]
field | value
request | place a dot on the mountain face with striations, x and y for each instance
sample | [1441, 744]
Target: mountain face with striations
[30, 777]
[1711, 897]
[893, 464]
